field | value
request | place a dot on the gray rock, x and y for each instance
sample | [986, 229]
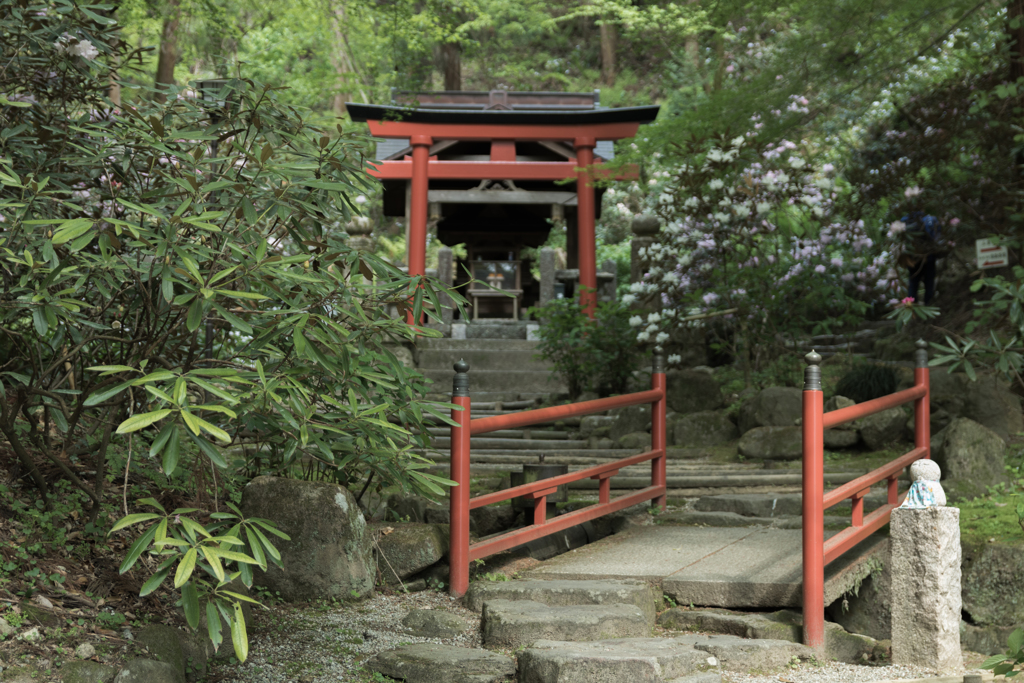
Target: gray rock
[972, 458]
[33, 635]
[771, 407]
[869, 612]
[329, 554]
[740, 654]
[691, 391]
[164, 643]
[987, 401]
[926, 602]
[703, 677]
[408, 508]
[992, 578]
[704, 429]
[840, 438]
[838, 403]
[409, 548]
[772, 443]
[433, 663]
[853, 648]
[783, 625]
[635, 440]
[591, 423]
[987, 640]
[630, 420]
[432, 623]
[87, 672]
[720, 519]
[85, 651]
[20, 674]
[563, 593]
[6, 630]
[512, 624]
[491, 519]
[636, 660]
[147, 671]
[881, 429]
[753, 504]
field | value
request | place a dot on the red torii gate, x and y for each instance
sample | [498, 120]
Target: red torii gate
[502, 127]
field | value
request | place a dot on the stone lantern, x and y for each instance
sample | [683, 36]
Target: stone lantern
[360, 231]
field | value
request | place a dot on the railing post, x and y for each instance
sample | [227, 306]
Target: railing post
[458, 496]
[658, 411]
[813, 506]
[922, 406]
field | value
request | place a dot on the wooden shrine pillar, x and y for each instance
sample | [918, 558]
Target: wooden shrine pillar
[417, 246]
[586, 216]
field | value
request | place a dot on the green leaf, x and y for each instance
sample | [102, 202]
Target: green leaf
[256, 549]
[111, 368]
[136, 550]
[213, 625]
[195, 315]
[1016, 641]
[152, 502]
[209, 450]
[154, 581]
[239, 638]
[97, 398]
[132, 519]
[171, 452]
[137, 422]
[161, 440]
[185, 569]
[214, 431]
[190, 602]
[71, 229]
[211, 556]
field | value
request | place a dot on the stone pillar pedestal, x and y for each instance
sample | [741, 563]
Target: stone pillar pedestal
[547, 275]
[926, 589]
[444, 274]
[645, 231]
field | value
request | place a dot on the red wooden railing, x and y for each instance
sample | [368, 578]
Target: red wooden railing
[462, 553]
[817, 552]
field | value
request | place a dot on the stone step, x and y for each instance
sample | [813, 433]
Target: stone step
[731, 519]
[769, 505]
[491, 443]
[604, 454]
[515, 623]
[565, 593]
[501, 380]
[481, 359]
[543, 433]
[435, 662]
[563, 422]
[713, 481]
[629, 660]
[447, 344]
[555, 457]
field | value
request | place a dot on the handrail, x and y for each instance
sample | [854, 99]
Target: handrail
[817, 552]
[855, 412]
[461, 553]
[554, 482]
[525, 418]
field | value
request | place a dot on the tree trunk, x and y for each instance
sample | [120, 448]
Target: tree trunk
[608, 40]
[342, 62]
[168, 48]
[1015, 34]
[451, 62]
[692, 46]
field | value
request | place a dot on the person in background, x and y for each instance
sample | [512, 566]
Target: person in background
[919, 250]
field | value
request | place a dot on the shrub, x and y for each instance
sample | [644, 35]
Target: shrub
[588, 355]
[867, 381]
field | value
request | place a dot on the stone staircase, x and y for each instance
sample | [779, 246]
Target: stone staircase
[504, 371]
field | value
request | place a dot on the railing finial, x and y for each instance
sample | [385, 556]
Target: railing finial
[460, 385]
[658, 363]
[812, 373]
[921, 354]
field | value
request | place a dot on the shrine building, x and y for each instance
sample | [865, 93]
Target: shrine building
[495, 171]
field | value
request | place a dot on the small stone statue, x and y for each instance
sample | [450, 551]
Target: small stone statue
[926, 491]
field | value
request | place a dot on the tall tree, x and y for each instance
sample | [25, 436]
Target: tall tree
[168, 47]
[609, 39]
[451, 65]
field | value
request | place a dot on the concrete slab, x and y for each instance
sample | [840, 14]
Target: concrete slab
[749, 568]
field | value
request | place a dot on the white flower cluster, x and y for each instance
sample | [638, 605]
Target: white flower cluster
[75, 47]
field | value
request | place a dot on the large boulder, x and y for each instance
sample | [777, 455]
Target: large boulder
[629, 420]
[329, 554]
[772, 443]
[691, 391]
[405, 549]
[704, 429]
[771, 407]
[992, 578]
[987, 401]
[972, 458]
[881, 429]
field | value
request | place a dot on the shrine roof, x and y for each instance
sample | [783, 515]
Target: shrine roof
[439, 113]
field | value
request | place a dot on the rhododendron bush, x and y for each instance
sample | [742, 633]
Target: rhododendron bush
[749, 230]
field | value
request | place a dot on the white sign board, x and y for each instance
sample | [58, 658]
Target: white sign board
[991, 256]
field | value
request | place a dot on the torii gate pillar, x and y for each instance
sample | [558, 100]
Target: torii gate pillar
[586, 217]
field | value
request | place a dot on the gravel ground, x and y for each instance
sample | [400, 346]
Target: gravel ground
[327, 643]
